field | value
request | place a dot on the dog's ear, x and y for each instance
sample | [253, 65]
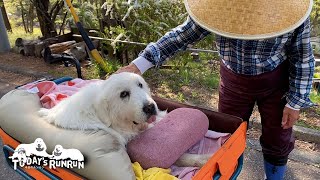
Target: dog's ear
[102, 108]
[106, 119]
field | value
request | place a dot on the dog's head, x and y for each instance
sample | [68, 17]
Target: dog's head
[57, 150]
[40, 145]
[21, 151]
[126, 103]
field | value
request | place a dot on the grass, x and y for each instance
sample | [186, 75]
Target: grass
[92, 72]
[186, 80]
[306, 125]
[18, 32]
[315, 97]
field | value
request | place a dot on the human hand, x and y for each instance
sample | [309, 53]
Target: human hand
[130, 68]
[289, 117]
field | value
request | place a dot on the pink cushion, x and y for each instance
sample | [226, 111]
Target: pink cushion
[161, 145]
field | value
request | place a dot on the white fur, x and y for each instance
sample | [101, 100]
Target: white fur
[99, 106]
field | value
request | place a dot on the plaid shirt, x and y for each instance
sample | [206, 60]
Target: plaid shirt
[249, 57]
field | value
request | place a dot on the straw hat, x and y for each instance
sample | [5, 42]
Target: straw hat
[249, 19]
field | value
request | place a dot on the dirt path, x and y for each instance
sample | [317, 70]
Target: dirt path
[10, 80]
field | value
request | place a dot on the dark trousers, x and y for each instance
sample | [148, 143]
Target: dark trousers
[239, 93]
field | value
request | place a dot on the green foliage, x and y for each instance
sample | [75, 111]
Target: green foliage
[142, 21]
[183, 84]
[116, 33]
[146, 20]
[315, 97]
[86, 13]
[13, 8]
[304, 124]
[180, 97]
[317, 69]
[315, 18]
[19, 32]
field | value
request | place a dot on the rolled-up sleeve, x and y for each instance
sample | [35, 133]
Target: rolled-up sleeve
[173, 41]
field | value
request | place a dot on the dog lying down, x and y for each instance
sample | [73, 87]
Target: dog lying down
[120, 106]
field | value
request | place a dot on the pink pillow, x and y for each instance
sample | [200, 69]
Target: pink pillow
[161, 145]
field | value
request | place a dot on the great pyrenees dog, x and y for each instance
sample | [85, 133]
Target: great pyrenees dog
[120, 105]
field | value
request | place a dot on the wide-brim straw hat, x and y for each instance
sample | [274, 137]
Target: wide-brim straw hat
[249, 19]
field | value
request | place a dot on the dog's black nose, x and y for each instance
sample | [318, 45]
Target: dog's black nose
[149, 109]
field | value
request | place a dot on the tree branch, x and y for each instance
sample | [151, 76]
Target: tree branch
[40, 9]
[53, 7]
[57, 10]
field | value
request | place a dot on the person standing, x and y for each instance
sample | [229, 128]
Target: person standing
[266, 58]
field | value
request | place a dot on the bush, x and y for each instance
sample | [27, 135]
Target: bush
[144, 21]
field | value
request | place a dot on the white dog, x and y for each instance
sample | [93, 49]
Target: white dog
[38, 148]
[60, 153]
[120, 105]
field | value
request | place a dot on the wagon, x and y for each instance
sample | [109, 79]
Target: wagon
[226, 163]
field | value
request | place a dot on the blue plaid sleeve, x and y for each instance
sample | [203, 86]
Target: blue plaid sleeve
[301, 68]
[173, 41]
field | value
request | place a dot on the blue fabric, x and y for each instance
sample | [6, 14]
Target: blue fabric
[63, 79]
[274, 172]
[249, 57]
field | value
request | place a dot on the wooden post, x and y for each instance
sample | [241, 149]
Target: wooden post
[5, 16]
[4, 45]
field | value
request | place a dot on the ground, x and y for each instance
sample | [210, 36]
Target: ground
[38, 65]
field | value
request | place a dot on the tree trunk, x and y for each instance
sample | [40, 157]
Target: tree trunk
[60, 47]
[63, 23]
[5, 16]
[31, 17]
[38, 48]
[29, 48]
[47, 25]
[22, 15]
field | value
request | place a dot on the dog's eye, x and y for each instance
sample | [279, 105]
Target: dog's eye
[140, 85]
[124, 94]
